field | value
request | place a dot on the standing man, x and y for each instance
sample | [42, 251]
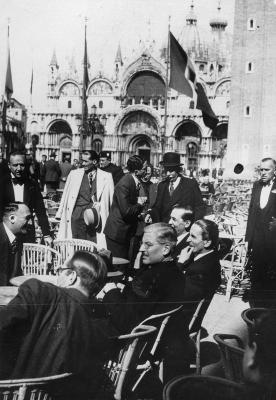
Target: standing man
[17, 186]
[176, 189]
[86, 188]
[122, 222]
[16, 219]
[42, 171]
[261, 227]
[107, 166]
[52, 173]
[181, 220]
[65, 168]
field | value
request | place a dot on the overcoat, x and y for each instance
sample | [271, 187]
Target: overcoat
[105, 189]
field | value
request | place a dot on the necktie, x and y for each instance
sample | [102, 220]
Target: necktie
[14, 246]
[138, 186]
[171, 188]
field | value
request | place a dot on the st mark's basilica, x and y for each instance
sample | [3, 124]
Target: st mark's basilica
[127, 109]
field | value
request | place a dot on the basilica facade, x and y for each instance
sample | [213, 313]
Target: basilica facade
[129, 106]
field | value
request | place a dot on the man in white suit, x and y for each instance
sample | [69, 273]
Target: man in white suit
[84, 188]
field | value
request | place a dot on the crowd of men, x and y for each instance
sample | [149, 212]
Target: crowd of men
[49, 329]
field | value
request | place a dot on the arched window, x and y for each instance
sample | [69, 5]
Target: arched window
[228, 104]
[201, 67]
[192, 104]
[69, 104]
[100, 104]
[247, 111]
[251, 24]
[97, 145]
[249, 67]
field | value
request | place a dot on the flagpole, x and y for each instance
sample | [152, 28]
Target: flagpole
[164, 130]
[83, 112]
[4, 103]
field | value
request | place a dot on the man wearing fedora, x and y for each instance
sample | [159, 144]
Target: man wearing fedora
[107, 166]
[86, 201]
[175, 190]
[52, 173]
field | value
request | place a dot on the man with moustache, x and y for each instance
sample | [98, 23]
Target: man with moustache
[261, 227]
[181, 219]
[176, 189]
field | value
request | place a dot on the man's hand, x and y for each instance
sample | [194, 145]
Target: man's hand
[148, 219]
[185, 254]
[272, 224]
[48, 241]
[142, 200]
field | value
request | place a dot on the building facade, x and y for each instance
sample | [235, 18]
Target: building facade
[14, 137]
[130, 105]
[253, 92]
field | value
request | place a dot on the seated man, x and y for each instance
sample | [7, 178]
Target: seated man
[181, 220]
[201, 261]
[259, 361]
[48, 329]
[157, 288]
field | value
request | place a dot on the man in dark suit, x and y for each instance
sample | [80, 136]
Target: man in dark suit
[17, 186]
[107, 166]
[261, 227]
[176, 189]
[126, 206]
[52, 329]
[52, 173]
[16, 220]
[181, 220]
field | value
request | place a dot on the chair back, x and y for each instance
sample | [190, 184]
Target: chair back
[251, 314]
[195, 331]
[231, 355]
[32, 389]
[67, 247]
[199, 387]
[122, 370]
[39, 259]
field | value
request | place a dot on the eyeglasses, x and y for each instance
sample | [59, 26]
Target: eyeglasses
[60, 269]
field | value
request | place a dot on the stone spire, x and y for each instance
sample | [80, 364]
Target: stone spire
[191, 18]
[54, 62]
[118, 58]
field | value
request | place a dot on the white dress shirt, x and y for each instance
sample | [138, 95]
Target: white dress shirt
[175, 183]
[181, 237]
[9, 233]
[265, 192]
[203, 255]
[18, 191]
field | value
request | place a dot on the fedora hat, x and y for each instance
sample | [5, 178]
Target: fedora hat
[171, 159]
[92, 217]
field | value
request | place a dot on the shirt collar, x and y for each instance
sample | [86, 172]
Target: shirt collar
[9, 233]
[202, 255]
[136, 180]
[181, 237]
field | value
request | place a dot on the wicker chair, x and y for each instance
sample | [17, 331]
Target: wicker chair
[32, 389]
[234, 269]
[231, 355]
[152, 362]
[202, 387]
[39, 259]
[195, 331]
[122, 371]
[251, 314]
[67, 247]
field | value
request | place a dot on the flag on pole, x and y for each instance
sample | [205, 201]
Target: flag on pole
[8, 87]
[183, 79]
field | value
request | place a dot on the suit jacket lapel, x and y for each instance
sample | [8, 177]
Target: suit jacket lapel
[10, 191]
[100, 183]
[271, 198]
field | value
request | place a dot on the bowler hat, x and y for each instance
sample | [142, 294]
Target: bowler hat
[238, 168]
[106, 154]
[92, 217]
[171, 159]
